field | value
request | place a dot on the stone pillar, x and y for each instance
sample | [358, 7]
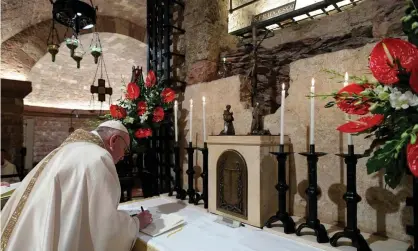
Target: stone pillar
[206, 25]
[12, 94]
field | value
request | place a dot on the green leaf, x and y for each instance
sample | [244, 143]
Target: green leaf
[413, 139]
[381, 110]
[393, 176]
[382, 157]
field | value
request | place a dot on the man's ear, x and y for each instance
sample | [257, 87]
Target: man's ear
[112, 140]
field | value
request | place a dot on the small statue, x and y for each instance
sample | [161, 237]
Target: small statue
[228, 119]
[257, 127]
[136, 73]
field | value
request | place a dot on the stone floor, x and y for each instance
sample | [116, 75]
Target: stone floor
[376, 243]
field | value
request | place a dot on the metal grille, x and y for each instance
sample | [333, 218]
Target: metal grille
[156, 163]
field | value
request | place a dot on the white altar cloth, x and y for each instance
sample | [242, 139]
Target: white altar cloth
[202, 233]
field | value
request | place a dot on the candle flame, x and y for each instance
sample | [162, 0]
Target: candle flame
[313, 82]
[203, 99]
[283, 86]
[191, 101]
[175, 103]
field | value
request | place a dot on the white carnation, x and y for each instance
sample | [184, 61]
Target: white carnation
[128, 120]
[144, 117]
[399, 100]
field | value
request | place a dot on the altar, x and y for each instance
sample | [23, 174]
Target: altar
[202, 233]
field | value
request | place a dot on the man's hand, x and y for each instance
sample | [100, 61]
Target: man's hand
[5, 184]
[145, 218]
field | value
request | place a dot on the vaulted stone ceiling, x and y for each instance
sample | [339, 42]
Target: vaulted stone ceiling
[18, 15]
[60, 84]
[26, 25]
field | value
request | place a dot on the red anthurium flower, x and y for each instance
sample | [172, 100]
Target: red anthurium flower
[412, 157]
[382, 57]
[158, 114]
[350, 105]
[168, 95]
[117, 112]
[143, 133]
[362, 124]
[141, 108]
[132, 91]
[151, 79]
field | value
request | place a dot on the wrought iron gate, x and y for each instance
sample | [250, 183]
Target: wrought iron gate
[156, 163]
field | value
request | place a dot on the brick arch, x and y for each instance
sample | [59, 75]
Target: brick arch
[20, 53]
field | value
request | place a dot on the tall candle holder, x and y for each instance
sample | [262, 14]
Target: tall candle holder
[190, 173]
[282, 215]
[180, 192]
[413, 202]
[204, 175]
[312, 221]
[352, 198]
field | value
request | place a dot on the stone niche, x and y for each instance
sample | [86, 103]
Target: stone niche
[12, 94]
[243, 176]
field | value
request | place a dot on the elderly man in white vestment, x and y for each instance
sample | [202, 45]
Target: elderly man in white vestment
[69, 201]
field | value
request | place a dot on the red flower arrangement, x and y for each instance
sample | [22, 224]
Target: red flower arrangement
[390, 106]
[144, 105]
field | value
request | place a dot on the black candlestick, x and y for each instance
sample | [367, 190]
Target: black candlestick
[352, 198]
[413, 202]
[180, 192]
[282, 215]
[204, 175]
[312, 221]
[190, 173]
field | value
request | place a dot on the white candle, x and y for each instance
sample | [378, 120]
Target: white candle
[191, 120]
[282, 115]
[348, 117]
[176, 130]
[204, 118]
[312, 127]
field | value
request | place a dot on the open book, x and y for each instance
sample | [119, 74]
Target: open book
[6, 192]
[163, 223]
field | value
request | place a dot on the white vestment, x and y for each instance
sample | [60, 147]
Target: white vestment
[72, 205]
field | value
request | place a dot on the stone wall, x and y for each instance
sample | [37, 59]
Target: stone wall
[52, 127]
[365, 23]
[12, 94]
[381, 210]
[206, 36]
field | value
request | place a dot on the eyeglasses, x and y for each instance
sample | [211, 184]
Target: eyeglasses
[127, 150]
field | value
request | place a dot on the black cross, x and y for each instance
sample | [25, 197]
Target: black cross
[101, 90]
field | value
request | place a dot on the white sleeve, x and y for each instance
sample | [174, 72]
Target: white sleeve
[111, 229]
